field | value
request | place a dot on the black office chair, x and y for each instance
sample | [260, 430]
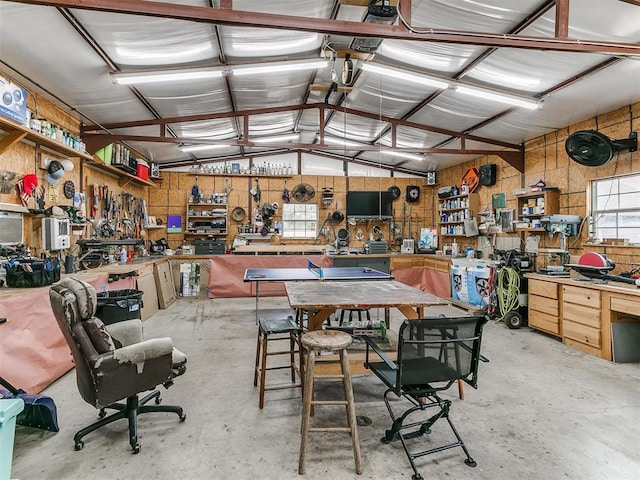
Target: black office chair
[433, 353]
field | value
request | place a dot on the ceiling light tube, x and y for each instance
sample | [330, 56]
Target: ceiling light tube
[198, 148]
[499, 97]
[274, 139]
[408, 156]
[341, 142]
[279, 67]
[165, 76]
[404, 75]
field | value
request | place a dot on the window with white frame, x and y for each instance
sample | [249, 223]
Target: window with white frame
[615, 208]
[299, 220]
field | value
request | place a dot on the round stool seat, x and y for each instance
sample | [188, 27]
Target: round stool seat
[326, 340]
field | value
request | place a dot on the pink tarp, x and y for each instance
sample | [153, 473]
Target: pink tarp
[33, 351]
[430, 281]
[227, 271]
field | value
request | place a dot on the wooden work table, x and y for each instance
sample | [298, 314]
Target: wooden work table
[596, 318]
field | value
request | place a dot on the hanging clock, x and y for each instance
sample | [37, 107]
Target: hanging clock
[69, 189]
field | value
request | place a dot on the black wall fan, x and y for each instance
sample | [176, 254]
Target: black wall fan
[303, 192]
[592, 148]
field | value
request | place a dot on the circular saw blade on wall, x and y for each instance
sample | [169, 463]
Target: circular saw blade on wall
[303, 192]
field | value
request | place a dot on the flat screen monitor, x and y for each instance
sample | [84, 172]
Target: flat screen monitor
[369, 204]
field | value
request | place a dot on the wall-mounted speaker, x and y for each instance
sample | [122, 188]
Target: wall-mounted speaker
[413, 193]
[431, 178]
[155, 170]
[487, 174]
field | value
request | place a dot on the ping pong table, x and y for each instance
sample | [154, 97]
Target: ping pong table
[313, 272]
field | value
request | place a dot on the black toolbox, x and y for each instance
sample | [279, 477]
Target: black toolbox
[210, 247]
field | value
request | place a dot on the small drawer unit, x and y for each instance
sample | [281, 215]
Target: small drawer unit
[581, 318]
[544, 308]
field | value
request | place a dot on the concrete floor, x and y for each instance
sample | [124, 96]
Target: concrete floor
[542, 411]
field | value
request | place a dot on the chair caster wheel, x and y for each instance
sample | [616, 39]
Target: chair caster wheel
[183, 417]
[470, 462]
[102, 413]
[78, 446]
[135, 449]
[158, 400]
[417, 476]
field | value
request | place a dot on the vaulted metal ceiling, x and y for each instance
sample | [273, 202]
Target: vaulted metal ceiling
[579, 58]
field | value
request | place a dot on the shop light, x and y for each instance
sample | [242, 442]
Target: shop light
[278, 67]
[408, 156]
[162, 76]
[405, 75]
[198, 148]
[275, 139]
[499, 97]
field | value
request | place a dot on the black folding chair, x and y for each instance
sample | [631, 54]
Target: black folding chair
[433, 353]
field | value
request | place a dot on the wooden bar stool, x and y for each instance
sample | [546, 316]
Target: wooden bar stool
[277, 329]
[334, 341]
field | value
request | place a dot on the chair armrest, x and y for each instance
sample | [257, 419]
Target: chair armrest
[374, 346]
[137, 353]
[127, 332]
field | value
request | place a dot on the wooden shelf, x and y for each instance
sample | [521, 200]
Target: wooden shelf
[17, 132]
[125, 178]
[247, 175]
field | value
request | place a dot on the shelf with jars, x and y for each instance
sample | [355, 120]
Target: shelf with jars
[55, 139]
[454, 211]
[266, 169]
[207, 216]
[532, 206]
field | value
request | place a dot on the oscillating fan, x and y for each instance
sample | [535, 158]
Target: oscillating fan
[592, 148]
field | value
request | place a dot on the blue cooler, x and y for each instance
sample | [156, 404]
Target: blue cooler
[9, 410]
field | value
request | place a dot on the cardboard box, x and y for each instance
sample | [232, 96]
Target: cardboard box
[13, 101]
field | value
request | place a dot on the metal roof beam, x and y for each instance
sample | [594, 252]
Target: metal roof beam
[224, 16]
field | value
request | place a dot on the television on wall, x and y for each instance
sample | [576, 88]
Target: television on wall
[369, 204]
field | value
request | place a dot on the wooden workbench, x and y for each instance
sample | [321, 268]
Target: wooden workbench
[595, 318]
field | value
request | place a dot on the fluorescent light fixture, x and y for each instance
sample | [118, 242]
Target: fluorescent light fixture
[275, 139]
[404, 75]
[341, 142]
[279, 67]
[499, 97]
[159, 76]
[408, 156]
[198, 148]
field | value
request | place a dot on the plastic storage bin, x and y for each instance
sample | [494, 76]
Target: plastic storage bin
[118, 305]
[143, 170]
[9, 410]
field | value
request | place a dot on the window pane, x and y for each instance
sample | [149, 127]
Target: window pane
[633, 234]
[629, 200]
[606, 220]
[629, 220]
[629, 185]
[606, 202]
[607, 233]
[606, 187]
